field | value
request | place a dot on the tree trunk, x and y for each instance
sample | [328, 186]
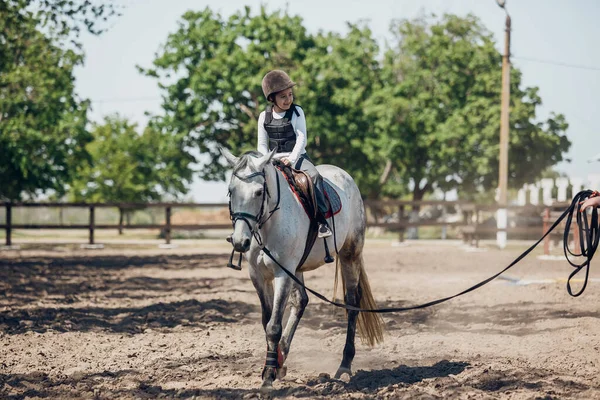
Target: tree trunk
[386, 172]
[375, 211]
[120, 221]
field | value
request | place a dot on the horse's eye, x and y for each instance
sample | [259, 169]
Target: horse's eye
[258, 193]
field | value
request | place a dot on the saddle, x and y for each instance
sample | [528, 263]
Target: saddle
[304, 188]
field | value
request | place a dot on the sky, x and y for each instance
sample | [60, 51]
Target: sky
[553, 43]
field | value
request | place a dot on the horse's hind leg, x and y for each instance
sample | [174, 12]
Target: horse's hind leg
[358, 293]
[298, 301]
[350, 274]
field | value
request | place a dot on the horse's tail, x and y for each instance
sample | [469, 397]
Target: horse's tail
[370, 325]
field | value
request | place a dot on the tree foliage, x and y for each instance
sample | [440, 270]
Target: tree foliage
[66, 18]
[42, 120]
[424, 114]
[338, 76]
[439, 111]
[421, 114]
[211, 70]
[127, 166]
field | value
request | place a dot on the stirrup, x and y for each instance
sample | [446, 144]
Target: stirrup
[324, 231]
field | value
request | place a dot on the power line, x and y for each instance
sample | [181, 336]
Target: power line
[561, 64]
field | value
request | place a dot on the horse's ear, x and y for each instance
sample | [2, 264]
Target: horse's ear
[231, 159]
[265, 159]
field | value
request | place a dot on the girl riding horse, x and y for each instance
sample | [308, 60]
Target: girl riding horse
[282, 127]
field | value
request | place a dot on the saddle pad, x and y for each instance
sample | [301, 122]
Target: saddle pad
[334, 199]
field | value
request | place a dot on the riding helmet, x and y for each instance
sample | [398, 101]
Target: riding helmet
[276, 81]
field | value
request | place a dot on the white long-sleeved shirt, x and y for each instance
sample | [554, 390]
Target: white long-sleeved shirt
[299, 124]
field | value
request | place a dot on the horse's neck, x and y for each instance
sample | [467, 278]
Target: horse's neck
[290, 216]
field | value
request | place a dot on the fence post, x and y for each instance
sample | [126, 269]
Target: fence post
[545, 229]
[475, 232]
[400, 220]
[467, 221]
[168, 225]
[8, 224]
[92, 224]
[121, 211]
[444, 227]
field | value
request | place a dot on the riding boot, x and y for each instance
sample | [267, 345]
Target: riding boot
[324, 230]
[324, 233]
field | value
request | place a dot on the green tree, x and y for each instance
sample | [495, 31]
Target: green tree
[337, 77]
[129, 167]
[438, 111]
[42, 120]
[66, 18]
[211, 71]
[425, 116]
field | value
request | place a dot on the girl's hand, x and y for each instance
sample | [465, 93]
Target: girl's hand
[286, 161]
[593, 201]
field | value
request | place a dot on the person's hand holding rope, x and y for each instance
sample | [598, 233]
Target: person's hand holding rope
[592, 201]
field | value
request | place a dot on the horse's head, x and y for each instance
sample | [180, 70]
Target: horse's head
[247, 195]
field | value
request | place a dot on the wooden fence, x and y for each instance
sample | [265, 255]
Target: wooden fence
[92, 226]
[470, 225]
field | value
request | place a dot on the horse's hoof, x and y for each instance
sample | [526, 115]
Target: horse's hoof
[282, 372]
[266, 389]
[343, 370]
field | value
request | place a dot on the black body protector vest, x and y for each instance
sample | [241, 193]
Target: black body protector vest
[282, 135]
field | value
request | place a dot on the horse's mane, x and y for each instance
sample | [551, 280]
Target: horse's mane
[244, 160]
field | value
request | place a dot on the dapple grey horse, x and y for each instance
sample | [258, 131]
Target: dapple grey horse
[267, 213]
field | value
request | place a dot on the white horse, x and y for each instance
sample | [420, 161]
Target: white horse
[263, 206]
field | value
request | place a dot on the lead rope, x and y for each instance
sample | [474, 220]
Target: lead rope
[588, 238]
[588, 249]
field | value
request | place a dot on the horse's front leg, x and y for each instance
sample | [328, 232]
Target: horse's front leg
[281, 290]
[298, 302]
[264, 289]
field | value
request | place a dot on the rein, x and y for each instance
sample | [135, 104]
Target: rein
[588, 238]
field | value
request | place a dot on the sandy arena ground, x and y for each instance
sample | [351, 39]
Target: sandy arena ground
[176, 323]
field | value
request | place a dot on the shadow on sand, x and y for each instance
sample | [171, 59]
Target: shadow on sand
[366, 384]
[190, 313]
[21, 386]
[65, 288]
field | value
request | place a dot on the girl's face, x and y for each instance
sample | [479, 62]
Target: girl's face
[283, 100]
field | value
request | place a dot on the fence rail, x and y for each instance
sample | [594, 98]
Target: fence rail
[470, 224]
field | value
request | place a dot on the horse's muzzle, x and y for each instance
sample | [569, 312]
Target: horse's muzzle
[241, 246]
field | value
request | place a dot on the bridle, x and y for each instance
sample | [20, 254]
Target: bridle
[260, 218]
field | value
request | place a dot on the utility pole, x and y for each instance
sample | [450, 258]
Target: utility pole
[502, 214]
